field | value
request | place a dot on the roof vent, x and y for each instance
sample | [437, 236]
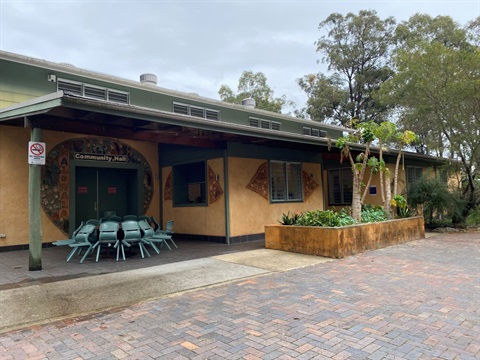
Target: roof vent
[248, 102]
[149, 79]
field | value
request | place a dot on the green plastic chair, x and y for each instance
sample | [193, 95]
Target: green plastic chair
[71, 240]
[84, 239]
[149, 237]
[133, 236]
[108, 237]
[168, 231]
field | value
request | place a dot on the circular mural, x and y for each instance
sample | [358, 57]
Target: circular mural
[56, 177]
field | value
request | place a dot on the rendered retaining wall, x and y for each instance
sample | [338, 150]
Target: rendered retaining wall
[343, 241]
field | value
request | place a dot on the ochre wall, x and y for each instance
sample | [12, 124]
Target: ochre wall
[14, 167]
[373, 199]
[249, 211]
[198, 220]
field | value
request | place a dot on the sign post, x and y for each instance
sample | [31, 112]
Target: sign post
[36, 156]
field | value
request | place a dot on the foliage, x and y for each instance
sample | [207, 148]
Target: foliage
[254, 85]
[363, 135]
[400, 203]
[474, 217]
[372, 213]
[288, 219]
[436, 90]
[328, 218]
[432, 195]
[357, 50]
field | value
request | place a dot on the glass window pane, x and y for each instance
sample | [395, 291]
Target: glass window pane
[277, 181]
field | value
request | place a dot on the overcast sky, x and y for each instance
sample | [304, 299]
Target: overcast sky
[193, 46]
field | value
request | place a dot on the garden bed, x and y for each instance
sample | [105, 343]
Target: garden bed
[339, 242]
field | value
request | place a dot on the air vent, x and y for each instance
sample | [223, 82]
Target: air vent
[314, 132]
[94, 92]
[186, 109]
[180, 109]
[275, 125]
[248, 102]
[212, 114]
[198, 112]
[264, 124]
[70, 87]
[149, 79]
[91, 91]
[254, 122]
[119, 97]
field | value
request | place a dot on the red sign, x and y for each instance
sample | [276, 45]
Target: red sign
[82, 190]
[111, 190]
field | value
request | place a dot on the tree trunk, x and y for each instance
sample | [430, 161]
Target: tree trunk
[388, 196]
[395, 179]
[356, 200]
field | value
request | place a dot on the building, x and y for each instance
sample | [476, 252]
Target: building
[115, 146]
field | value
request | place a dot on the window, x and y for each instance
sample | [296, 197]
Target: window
[189, 184]
[340, 186]
[285, 181]
[94, 92]
[264, 124]
[186, 109]
[314, 132]
[413, 175]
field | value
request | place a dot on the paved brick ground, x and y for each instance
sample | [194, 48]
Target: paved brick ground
[419, 300]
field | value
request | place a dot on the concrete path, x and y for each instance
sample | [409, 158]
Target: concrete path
[55, 300]
[419, 300]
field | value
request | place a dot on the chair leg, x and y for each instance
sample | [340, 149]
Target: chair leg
[90, 249]
[69, 257]
[152, 244]
[145, 249]
[98, 252]
[173, 242]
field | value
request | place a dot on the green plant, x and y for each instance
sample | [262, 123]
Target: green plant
[400, 203]
[474, 217]
[325, 218]
[288, 219]
[439, 205]
[373, 213]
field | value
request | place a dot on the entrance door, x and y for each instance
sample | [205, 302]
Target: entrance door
[102, 192]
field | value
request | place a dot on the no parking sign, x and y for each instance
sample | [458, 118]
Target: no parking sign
[36, 153]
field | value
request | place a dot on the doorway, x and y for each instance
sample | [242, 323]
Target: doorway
[101, 192]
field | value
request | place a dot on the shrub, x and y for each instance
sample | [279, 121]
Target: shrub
[474, 217]
[372, 213]
[288, 219]
[439, 204]
[325, 218]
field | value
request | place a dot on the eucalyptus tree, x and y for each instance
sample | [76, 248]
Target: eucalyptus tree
[436, 88]
[357, 50]
[253, 85]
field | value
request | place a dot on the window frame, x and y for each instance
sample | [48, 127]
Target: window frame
[185, 179]
[343, 173]
[285, 181]
[412, 171]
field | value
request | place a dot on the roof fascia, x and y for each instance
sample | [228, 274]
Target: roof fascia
[165, 117]
[30, 107]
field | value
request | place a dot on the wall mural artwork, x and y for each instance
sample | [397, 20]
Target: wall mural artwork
[214, 188]
[56, 173]
[309, 185]
[259, 182]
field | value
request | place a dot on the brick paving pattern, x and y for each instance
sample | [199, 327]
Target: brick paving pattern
[419, 300]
